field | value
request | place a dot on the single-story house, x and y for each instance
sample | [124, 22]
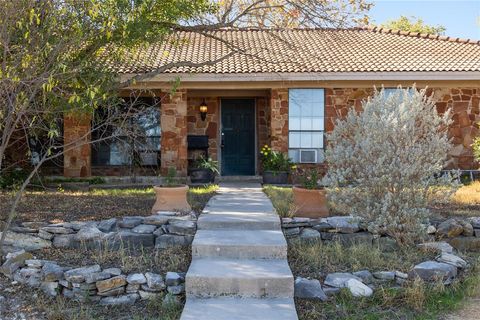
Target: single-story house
[280, 87]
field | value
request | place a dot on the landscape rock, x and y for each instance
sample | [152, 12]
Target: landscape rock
[45, 235]
[112, 283]
[339, 279]
[176, 290]
[348, 239]
[25, 241]
[147, 295]
[50, 288]
[136, 278]
[322, 226]
[51, 272]
[132, 288]
[23, 229]
[63, 241]
[78, 275]
[131, 239]
[157, 220]
[309, 234]
[128, 299]
[14, 262]
[343, 224]
[57, 229]
[29, 276]
[291, 232]
[96, 276]
[331, 291]
[112, 292]
[173, 279]
[365, 275]
[171, 240]
[449, 229]
[144, 228]
[182, 227]
[452, 259]
[441, 246]
[155, 281]
[431, 229]
[465, 243]
[113, 271]
[475, 222]
[130, 222]
[107, 225]
[309, 289]
[433, 271]
[401, 275]
[477, 233]
[468, 230]
[89, 233]
[358, 289]
[384, 275]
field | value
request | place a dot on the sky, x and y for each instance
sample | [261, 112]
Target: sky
[460, 17]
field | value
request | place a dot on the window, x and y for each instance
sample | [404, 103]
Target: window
[306, 125]
[141, 147]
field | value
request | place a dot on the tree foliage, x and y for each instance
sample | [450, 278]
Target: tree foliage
[288, 13]
[384, 163]
[413, 24]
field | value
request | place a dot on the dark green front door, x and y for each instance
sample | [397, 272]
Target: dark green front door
[238, 137]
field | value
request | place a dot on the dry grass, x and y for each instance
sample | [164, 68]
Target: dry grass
[282, 200]
[57, 206]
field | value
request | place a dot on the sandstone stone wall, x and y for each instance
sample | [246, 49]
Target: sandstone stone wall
[174, 133]
[279, 119]
[208, 127]
[75, 131]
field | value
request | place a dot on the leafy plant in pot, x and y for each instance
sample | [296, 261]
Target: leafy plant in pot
[276, 166]
[309, 197]
[171, 196]
[205, 171]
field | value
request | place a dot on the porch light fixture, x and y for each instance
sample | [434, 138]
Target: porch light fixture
[203, 110]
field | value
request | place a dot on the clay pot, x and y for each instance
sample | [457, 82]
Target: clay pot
[310, 203]
[171, 199]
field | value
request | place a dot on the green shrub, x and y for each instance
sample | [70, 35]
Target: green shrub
[13, 178]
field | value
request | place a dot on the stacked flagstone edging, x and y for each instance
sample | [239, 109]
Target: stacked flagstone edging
[91, 283]
[162, 230]
[462, 233]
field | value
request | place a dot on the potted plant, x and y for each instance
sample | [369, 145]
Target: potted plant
[204, 171]
[276, 166]
[309, 197]
[171, 196]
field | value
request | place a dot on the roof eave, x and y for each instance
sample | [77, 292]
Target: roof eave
[310, 76]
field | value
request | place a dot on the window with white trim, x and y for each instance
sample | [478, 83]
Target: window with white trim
[306, 125]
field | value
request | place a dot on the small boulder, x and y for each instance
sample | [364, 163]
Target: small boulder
[52, 272]
[78, 275]
[384, 275]
[14, 262]
[465, 243]
[452, 259]
[57, 229]
[309, 234]
[112, 283]
[441, 246]
[358, 289]
[365, 275]
[309, 289]
[173, 279]
[339, 279]
[182, 227]
[144, 228]
[89, 233]
[107, 225]
[50, 288]
[176, 290]
[468, 230]
[136, 278]
[449, 229]
[130, 222]
[154, 281]
[433, 271]
[157, 220]
[113, 271]
[96, 276]
[344, 224]
[172, 240]
[475, 222]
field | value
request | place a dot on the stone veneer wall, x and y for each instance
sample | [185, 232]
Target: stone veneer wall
[76, 130]
[208, 127]
[279, 119]
[174, 133]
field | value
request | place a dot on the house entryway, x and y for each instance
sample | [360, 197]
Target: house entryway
[239, 266]
[238, 137]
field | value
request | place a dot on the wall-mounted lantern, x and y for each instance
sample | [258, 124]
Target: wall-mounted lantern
[203, 110]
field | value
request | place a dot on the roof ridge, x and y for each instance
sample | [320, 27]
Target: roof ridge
[419, 35]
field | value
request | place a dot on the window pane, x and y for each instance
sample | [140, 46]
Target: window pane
[294, 123]
[293, 155]
[306, 124]
[306, 140]
[294, 140]
[318, 123]
[120, 153]
[317, 140]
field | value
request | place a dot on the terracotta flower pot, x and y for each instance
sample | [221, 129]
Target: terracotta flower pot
[171, 199]
[310, 203]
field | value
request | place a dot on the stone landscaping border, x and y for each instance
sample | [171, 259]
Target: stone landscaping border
[92, 283]
[347, 230]
[461, 233]
[161, 230]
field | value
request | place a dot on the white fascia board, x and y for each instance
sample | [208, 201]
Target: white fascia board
[338, 76]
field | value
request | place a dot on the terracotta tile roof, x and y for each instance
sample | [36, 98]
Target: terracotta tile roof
[303, 50]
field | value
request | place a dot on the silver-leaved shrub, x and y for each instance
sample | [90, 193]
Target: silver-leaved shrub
[384, 164]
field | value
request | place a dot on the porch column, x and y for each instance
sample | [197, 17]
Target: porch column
[76, 133]
[173, 122]
[279, 119]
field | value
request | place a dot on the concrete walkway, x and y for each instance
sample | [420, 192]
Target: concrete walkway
[239, 268]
